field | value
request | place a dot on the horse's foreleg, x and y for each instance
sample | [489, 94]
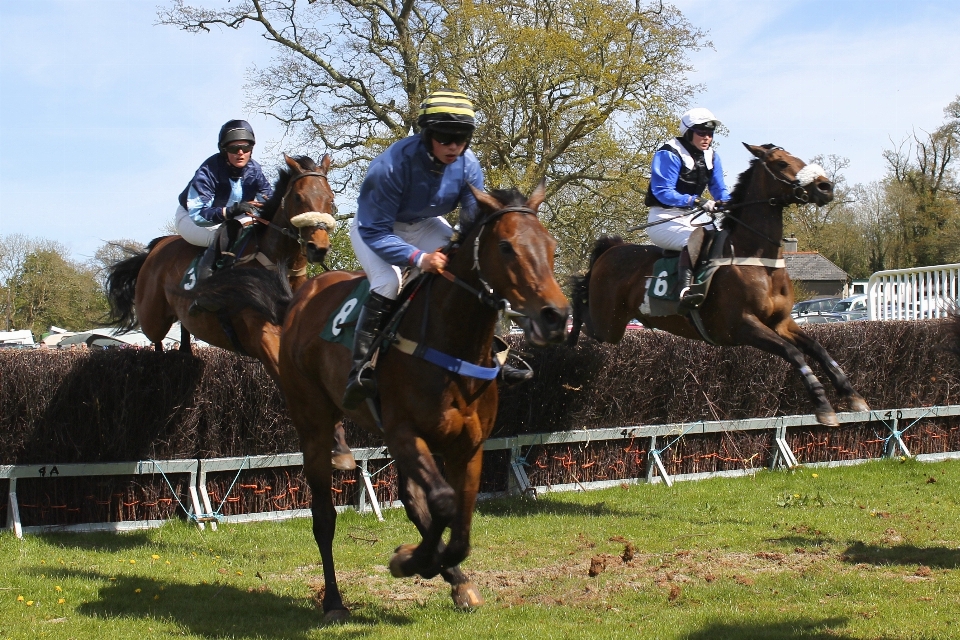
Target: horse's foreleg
[465, 477]
[185, 346]
[756, 334]
[839, 379]
[438, 500]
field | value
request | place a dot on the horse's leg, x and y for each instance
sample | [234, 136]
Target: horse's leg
[839, 379]
[314, 415]
[185, 346]
[463, 592]
[415, 461]
[756, 334]
[464, 475]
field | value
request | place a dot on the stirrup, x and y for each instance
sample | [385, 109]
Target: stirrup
[690, 299]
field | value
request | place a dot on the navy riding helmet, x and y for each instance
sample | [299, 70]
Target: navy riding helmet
[235, 130]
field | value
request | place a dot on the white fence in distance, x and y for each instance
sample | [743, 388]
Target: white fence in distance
[199, 509]
[913, 294]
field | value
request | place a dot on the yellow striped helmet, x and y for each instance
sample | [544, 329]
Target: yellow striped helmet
[447, 111]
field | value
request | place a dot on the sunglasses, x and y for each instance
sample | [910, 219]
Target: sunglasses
[451, 138]
[703, 133]
[238, 148]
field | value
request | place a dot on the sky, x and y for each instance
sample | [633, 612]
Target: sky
[105, 115]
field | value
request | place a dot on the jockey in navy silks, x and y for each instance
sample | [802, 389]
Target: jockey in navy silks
[399, 222]
[681, 170]
[227, 185]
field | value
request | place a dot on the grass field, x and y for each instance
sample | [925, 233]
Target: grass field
[859, 552]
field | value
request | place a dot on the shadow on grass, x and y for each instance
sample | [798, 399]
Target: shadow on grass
[220, 609]
[106, 542]
[515, 507]
[938, 557]
[826, 629]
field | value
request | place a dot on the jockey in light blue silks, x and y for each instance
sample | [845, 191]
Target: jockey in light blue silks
[227, 185]
[399, 223]
[681, 170]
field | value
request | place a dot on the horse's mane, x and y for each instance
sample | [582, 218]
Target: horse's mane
[271, 206]
[507, 197]
[739, 193]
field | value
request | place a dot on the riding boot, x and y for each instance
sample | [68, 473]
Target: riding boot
[361, 383]
[512, 375]
[690, 296]
[205, 269]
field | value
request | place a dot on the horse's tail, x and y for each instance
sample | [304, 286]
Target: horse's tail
[122, 288]
[580, 288]
[231, 291]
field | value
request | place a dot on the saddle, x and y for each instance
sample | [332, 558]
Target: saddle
[230, 243]
[663, 291]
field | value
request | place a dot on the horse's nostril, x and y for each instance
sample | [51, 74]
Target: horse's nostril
[826, 187]
[552, 318]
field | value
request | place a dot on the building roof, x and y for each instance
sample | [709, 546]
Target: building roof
[811, 266]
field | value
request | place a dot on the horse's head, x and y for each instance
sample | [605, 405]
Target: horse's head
[513, 253]
[306, 204]
[795, 181]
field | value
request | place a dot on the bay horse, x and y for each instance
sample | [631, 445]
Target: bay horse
[505, 261]
[749, 300]
[293, 226]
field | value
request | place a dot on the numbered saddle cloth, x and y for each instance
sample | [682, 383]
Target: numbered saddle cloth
[343, 322]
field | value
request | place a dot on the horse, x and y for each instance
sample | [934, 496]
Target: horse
[292, 228]
[750, 298]
[505, 261]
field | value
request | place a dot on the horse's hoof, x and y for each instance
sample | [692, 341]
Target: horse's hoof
[403, 553]
[466, 596]
[828, 418]
[335, 616]
[344, 461]
[858, 404]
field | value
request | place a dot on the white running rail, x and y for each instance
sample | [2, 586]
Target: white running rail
[913, 294]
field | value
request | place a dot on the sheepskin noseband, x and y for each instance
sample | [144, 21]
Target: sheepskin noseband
[314, 219]
[810, 173]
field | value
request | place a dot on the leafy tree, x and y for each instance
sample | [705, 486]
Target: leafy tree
[579, 92]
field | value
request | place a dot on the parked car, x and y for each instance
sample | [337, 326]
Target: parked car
[852, 308]
[816, 305]
[818, 318]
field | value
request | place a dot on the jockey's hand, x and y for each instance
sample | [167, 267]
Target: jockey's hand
[707, 205]
[433, 262]
[238, 209]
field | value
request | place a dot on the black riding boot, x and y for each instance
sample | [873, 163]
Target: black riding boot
[361, 383]
[690, 296]
[205, 266]
[511, 375]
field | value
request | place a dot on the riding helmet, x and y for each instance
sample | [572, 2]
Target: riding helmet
[698, 117]
[235, 130]
[447, 111]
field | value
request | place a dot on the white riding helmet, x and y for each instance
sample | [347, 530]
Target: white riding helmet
[698, 116]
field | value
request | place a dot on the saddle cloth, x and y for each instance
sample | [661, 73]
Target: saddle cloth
[343, 322]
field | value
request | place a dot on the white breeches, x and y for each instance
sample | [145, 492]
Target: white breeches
[186, 227]
[673, 235]
[427, 235]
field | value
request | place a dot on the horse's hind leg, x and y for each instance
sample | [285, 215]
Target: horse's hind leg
[756, 334]
[185, 340]
[465, 595]
[839, 379]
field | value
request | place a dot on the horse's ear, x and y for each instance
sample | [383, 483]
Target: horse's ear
[325, 162]
[759, 152]
[292, 164]
[485, 198]
[538, 195]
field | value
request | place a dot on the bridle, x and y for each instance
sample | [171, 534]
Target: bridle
[294, 234]
[486, 296]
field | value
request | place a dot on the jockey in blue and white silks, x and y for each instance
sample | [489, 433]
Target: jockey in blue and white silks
[227, 184]
[399, 222]
[681, 170]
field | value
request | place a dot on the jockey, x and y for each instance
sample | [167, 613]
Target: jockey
[399, 223]
[682, 168]
[227, 185]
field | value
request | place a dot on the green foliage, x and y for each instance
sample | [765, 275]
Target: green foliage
[711, 559]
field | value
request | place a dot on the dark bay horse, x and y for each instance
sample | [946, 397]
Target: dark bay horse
[293, 227]
[425, 410]
[749, 301]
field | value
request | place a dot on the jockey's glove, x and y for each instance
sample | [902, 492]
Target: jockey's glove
[238, 209]
[707, 205]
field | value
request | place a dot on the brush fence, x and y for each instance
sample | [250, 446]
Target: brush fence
[271, 487]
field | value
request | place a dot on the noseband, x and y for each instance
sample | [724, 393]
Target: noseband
[287, 232]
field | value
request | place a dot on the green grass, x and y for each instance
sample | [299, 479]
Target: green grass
[858, 552]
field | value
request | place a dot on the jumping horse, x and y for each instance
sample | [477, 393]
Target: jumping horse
[505, 260]
[750, 297]
[292, 228]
